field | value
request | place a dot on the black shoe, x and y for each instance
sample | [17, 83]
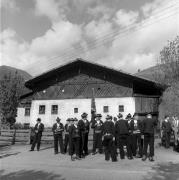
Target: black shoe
[72, 158]
[94, 153]
[38, 149]
[78, 158]
[55, 152]
[130, 158]
[122, 157]
[31, 150]
[144, 158]
[151, 159]
[138, 156]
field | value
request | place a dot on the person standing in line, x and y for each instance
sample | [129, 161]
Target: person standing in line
[131, 137]
[167, 129]
[38, 129]
[122, 131]
[66, 140]
[74, 132]
[137, 140]
[84, 130]
[58, 129]
[148, 129]
[108, 133]
[97, 125]
[114, 121]
[71, 146]
[175, 127]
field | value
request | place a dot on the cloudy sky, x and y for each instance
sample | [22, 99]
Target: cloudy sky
[37, 35]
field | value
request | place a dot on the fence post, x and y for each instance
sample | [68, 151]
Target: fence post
[14, 137]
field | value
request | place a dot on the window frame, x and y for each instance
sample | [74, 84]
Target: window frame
[105, 109]
[74, 110]
[54, 111]
[121, 107]
[44, 109]
[25, 113]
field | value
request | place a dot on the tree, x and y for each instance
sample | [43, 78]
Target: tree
[10, 90]
[168, 74]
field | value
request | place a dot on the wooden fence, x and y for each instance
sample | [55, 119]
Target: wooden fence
[23, 136]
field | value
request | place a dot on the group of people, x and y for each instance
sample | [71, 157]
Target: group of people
[110, 136]
[168, 127]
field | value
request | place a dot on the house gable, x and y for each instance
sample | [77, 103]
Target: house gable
[81, 86]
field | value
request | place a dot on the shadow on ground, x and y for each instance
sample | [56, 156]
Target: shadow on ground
[30, 175]
[168, 171]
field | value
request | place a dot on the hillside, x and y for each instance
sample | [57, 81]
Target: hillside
[5, 70]
[150, 73]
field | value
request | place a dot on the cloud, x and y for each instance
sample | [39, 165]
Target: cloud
[100, 12]
[135, 49]
[52, 9]
[124, 18]
[61, 36]
[96, 29]
[9, 4]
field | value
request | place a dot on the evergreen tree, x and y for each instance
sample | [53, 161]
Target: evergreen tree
[10, 90]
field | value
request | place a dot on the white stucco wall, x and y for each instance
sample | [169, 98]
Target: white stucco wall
[66, 108]
[21, 118]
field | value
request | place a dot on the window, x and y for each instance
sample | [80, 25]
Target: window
[54, 109]
[75, 110]
[27, 112]
[42, 109]
[121, 108]
[105, 109]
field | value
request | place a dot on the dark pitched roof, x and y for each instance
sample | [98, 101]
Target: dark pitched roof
[80, 66]
[82, 63]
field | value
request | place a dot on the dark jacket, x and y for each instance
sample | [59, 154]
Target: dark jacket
[97, 127]
[39, 128]
[84, 126]
[135, 128]
[122, 127]
[74, 131]
[166, 126]
[58, 130]
[108, 128]
[149, 126]
[67, 127]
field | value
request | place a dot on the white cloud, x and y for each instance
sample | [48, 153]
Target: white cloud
[60, 37]
[98, 29]
[9, 4]
[57, 40]
[100, 12]
[135, 50]
[124, 18]
[140, 46]
[53, 9]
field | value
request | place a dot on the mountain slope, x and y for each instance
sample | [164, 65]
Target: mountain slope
[152, 73]
[5, 70]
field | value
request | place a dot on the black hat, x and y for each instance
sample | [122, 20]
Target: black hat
[129, 116]
[58, 119]
[84, 115]
[119, 115]
[38, 119]
[69, 119]
[108, 117]
[75, 119]
[98, 115]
